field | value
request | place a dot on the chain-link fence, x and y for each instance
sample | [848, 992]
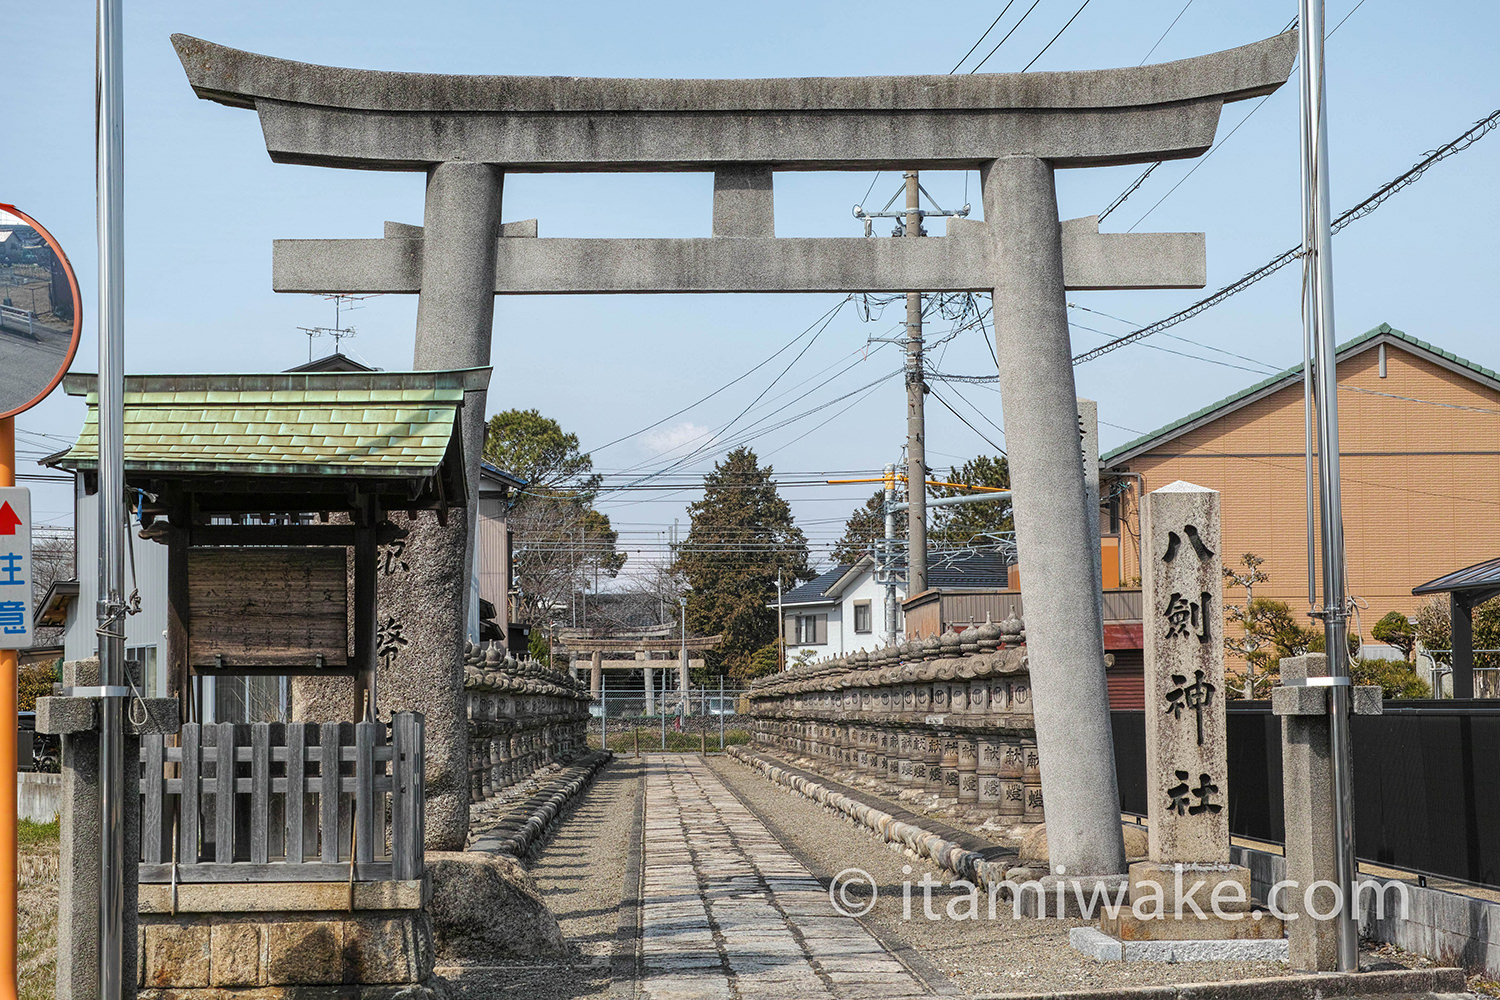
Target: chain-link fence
[706, 721]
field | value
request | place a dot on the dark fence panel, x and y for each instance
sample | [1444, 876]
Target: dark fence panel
[1426, 782]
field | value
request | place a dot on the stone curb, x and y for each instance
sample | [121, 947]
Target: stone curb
[518, 841]
[1319, 986]
[944, 853]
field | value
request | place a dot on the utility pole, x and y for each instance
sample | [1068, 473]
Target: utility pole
[780, 627]
[682, 663]
[887, 567]
[109, 160]
[916, 430]
[1320, 366]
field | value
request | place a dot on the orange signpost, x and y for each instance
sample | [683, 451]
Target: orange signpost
[8, 819]
[37, 325]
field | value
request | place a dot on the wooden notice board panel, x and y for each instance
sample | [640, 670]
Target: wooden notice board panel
[262, 607]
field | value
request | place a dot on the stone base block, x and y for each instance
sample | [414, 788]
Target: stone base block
[1096, 944]
[1257, 925]
[435, 988]
[282, 953]
[1225, 888]
[1070, 896]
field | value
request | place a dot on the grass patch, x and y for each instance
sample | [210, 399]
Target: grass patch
[648, 738]
[36, 876]
[37, 835]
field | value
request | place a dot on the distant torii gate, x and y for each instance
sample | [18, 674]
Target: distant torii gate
[640, 648]
[466, 132]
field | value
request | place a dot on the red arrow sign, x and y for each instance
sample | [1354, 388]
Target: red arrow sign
[9, 521]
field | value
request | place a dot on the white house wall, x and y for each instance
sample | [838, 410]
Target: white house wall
[145, 629]
[842, 638]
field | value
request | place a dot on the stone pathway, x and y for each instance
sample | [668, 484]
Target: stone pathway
[728, 914]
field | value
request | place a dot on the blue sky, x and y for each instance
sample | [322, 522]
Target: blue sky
[204, 203]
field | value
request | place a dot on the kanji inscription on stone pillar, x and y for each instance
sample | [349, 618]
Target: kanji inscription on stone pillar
[1186, 758]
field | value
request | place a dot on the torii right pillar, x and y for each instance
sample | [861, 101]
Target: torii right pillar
[1064, 635]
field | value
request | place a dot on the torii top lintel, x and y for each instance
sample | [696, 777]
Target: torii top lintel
[410, 121]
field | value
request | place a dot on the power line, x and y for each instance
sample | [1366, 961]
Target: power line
[983, 436]
[1167, 32]
[1201, 160]
[1002, 41]
[1056, 36]
[976, 45]
[726, 385]
[1359, 211]
[1134, 185]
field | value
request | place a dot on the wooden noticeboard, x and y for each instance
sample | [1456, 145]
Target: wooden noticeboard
[262, 608]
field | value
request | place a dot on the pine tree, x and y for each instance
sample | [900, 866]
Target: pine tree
[957, 525]
[864, 527]
[742, 533]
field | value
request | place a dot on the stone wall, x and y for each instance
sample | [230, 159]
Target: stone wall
[216, 956]
[946, 719]
[522, 716]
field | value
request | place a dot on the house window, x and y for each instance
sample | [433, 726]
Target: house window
[140, 667]
[862, 616]
[811, 630]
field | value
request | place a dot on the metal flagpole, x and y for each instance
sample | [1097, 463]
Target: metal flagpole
[1318, 311]
[109, 121]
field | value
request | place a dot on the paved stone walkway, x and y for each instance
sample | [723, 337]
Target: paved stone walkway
[728, 914]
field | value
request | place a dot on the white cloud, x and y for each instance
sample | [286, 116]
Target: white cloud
[687, 434]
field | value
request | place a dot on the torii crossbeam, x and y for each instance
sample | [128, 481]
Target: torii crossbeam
[466, 132]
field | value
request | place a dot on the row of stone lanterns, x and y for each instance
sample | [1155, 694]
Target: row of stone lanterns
[944, 720]
[522, 716]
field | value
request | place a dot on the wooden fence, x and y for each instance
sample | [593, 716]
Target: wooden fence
[301, 802]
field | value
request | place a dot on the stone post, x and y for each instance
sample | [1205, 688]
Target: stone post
[650, 686]
[596, 674]
[75, 721]
[1196, 894]
[1065, 635]
[1307, 787]
[1187, 757]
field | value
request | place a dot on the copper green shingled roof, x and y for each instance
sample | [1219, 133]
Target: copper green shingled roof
[1147, 441]
[384, 423]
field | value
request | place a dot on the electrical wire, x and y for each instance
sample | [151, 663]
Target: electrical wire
[980, 39]
[1002, 41]
[962, 419]
[726, 385]
[1167, 32]
[1359, 211]
[1056, 36]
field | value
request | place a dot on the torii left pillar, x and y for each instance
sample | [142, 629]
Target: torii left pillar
[455, 318]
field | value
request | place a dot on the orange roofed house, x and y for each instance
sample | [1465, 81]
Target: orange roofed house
[1419, 436]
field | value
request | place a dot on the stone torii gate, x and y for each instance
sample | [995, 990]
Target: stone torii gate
[465, 133]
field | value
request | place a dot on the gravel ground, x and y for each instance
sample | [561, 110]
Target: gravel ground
[580, 871]
[979, 956]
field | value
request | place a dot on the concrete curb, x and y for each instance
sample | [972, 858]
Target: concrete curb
[1096, 944]
[944, 853]
[1320, 986]
[517, 835]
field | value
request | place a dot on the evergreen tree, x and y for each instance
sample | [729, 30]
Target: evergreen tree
[862, 529]
[742, 533]
[562, 543]
[961, 524]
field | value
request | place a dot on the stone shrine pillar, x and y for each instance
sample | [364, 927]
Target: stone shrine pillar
[1064, 631]
[1188, 891]
[1187, 757]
